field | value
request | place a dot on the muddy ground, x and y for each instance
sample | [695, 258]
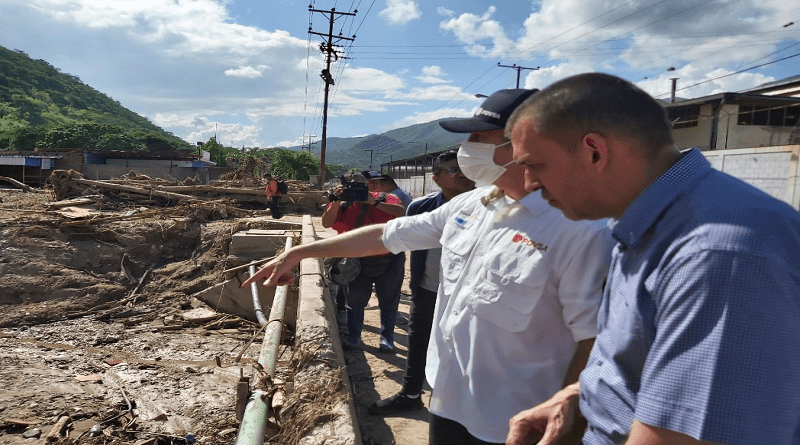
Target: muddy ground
[98, 327]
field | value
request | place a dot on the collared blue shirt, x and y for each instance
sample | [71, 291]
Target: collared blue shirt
[700, 321]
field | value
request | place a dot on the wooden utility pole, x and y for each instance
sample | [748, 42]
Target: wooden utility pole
[518, 68]
[327, 47]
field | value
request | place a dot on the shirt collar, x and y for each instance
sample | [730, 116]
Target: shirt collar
[649, 206]
[534, 202]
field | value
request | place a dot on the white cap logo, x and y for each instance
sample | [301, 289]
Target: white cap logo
[483, 112]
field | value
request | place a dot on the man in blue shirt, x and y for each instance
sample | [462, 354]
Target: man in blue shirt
[699, 336]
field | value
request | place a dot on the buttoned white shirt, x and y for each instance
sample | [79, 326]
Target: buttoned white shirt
[516, 294]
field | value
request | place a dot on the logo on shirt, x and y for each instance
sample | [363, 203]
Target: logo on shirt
[518, 238]
[463, 218]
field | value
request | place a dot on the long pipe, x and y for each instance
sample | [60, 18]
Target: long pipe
[262, 320]
[254, 423]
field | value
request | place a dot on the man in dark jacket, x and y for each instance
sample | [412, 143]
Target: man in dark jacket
[424, 283]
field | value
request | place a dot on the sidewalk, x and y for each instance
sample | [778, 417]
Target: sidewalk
[375, 375]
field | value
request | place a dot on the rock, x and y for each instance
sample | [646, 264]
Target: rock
[32, 433]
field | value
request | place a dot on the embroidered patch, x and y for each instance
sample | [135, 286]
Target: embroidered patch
[463, 219]
[518, 238]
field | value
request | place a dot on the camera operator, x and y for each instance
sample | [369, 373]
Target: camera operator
[380, 182]
[385, 272]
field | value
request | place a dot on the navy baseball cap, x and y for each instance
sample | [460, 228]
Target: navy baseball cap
[492, 114]
[372, 174]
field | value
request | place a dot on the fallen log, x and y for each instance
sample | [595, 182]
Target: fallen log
[140, 190]
[27, 188]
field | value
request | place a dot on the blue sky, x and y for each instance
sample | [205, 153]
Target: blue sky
[249, 72]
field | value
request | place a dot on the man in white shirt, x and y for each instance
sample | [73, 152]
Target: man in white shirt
[519, 290]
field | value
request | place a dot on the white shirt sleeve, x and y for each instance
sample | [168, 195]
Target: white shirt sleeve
[418, 232]
[584, 268]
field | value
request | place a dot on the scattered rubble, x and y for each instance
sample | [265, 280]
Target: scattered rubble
[101, 341]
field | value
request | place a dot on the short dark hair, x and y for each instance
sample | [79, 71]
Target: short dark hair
[443, 157]
[596, 103]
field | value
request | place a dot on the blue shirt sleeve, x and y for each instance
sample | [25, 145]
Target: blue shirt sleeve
[722, 365]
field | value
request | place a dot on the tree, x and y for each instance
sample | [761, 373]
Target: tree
[293, 164]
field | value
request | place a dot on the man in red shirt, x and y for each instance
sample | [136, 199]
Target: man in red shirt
[384, 272]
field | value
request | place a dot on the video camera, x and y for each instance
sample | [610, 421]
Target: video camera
[352, 191]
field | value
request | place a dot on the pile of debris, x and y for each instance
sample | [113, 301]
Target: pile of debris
[101, 339]
[242, 191]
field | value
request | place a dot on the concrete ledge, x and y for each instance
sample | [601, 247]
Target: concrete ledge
[316, 322]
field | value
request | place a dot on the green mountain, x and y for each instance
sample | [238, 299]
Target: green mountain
[392, 145]
[37, 101]
[36, 97]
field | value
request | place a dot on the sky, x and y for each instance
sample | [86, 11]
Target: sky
[249, 72]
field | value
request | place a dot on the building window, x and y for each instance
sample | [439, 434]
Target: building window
[768, 116]
[684, 117]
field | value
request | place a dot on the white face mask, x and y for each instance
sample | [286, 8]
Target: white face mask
[476, 160]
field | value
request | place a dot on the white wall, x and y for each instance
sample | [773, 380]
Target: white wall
[775, 170]
[417, 186]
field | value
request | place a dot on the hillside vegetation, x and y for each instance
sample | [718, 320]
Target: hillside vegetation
[40, 106]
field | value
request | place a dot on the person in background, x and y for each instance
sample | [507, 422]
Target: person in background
[378, 182]
[273, 196]
[424, 282]
[699, 328]
[519, 290]
[384, 271]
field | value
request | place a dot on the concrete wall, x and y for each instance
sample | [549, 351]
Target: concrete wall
[775, 170]
[731, 135]
[154, 168]
[417, 186]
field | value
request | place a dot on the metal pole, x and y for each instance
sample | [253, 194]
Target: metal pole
[254, 423]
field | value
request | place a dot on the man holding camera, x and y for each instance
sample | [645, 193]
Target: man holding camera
[381, 182]
[351, 207]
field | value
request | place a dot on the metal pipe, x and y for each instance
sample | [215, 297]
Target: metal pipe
[262, 320]
[272, 335]
[254, 423]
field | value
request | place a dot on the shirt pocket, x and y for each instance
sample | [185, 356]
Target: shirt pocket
[458, 240]
[508, 299]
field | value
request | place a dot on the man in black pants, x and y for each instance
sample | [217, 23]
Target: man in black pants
[424, 283]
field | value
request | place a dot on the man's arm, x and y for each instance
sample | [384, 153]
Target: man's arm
[394, 208]
[365, 241]
[330, 214]
[578, 362]
[643, 434]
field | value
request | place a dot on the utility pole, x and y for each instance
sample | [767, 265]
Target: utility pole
[370, 157]
[327, 47]
[518, 68]
[310, 141]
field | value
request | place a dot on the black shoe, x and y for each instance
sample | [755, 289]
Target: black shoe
[386, 349]
[347, 346]
[397, 403]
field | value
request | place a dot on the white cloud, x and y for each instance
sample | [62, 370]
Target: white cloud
[432, 75]
[693, 82]
[400, 12]
[246, 71]
[473, 29]
[428, 116]
[544, 76]
[441, 10]
[624, 37]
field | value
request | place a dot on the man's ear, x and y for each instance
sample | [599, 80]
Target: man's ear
[593, 150]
